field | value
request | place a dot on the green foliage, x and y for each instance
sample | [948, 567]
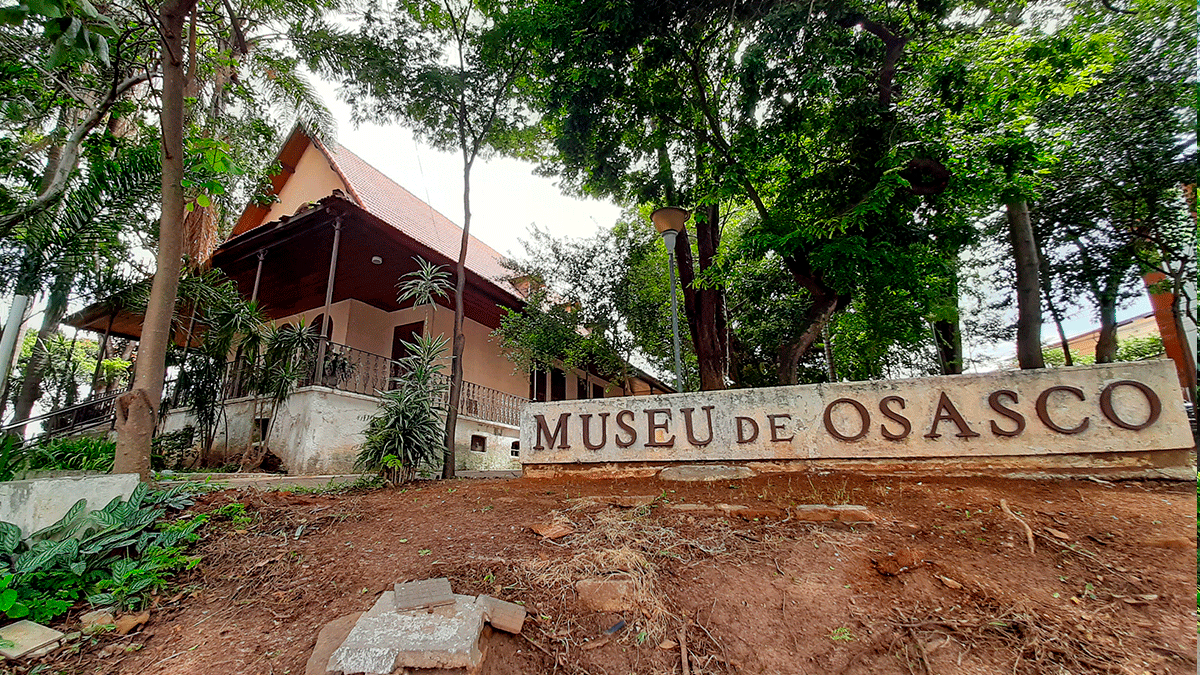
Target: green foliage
[170, 449]
[405, 434]
[79, 453]
[1055, 358]
[132, 581]
[1140, 348]
[112, 556]
[67, 367]
[425, 285]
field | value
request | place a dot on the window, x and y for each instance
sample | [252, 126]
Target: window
[478, 443]
[581, 387]
[558, 385]
[597, 391]
[261, 425]
[516, 449]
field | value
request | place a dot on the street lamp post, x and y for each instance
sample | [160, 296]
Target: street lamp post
[670, 221]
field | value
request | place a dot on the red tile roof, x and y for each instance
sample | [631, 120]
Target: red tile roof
[385, 199]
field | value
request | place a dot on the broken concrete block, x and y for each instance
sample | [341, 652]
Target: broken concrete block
[29, 639]
[97, 621]
[504, 616]
[384, 640]
[606, 595]
[705, 472]
[332, 635]
[423, 594]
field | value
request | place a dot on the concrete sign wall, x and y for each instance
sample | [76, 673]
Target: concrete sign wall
[1100, 409]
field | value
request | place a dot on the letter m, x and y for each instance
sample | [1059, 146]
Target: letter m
[543, 430]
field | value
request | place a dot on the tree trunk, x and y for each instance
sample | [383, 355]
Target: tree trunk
[1106, 343]
[9, 344]
[948, 337]
[704, 308]
[31, 385]
[1029, 305]
[137, 409]
[830, 364]
[460, 340]
[825, 301]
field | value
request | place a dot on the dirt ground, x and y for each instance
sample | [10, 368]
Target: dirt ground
[943, 582]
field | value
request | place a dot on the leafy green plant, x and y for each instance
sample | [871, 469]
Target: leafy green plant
[406, 433]
[133, 580]
[236, 513]
[45, 574]
[841, 634]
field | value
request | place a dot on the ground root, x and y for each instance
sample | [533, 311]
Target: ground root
[1035, 643]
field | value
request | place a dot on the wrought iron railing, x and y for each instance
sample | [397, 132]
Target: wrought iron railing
[485, 403]
[348, 369]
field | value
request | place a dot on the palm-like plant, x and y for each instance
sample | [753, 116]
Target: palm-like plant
[406, 433]
[424, 286]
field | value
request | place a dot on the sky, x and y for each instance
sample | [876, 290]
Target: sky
[506, 197]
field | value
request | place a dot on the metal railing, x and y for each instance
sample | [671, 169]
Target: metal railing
[86, 415]
[348, 369]
[485, 403]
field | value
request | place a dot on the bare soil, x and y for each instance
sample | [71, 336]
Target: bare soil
[944, 582]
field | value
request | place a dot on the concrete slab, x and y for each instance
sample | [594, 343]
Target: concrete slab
[423, 594]
[35, 504]
[332, 635]
[705, 472]
[505, 616]
[28, 639]
[384, 640]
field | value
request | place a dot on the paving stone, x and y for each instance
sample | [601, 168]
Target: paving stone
[29, 639]
[705, 472]
[700, 509]
[332, 635]
[627, 501]
[842, 513]
[606, 595]
[751, 512]
[384, 640]
[423, 594]
[505, 616]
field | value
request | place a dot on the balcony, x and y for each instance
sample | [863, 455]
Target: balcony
[356, 371]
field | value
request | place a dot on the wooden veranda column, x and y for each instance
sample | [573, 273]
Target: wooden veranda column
[258, 274]
[323, 345]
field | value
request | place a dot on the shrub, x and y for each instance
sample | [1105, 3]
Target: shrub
[406, 432]
[110, 556]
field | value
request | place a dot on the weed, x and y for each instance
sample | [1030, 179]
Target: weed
[842, 634]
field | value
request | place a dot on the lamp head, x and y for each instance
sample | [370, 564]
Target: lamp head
[670, 219]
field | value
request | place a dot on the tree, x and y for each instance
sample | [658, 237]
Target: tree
[1112, 202]
[789, 111]
[394, 68]
[62, 246]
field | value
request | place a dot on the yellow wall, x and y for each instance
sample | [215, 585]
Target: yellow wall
[313, 180]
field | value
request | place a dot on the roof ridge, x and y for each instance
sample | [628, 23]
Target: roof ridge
[333, 163]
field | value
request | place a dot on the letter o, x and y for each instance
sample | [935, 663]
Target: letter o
[862, 412]
[1043, 412]
[1106, 405]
